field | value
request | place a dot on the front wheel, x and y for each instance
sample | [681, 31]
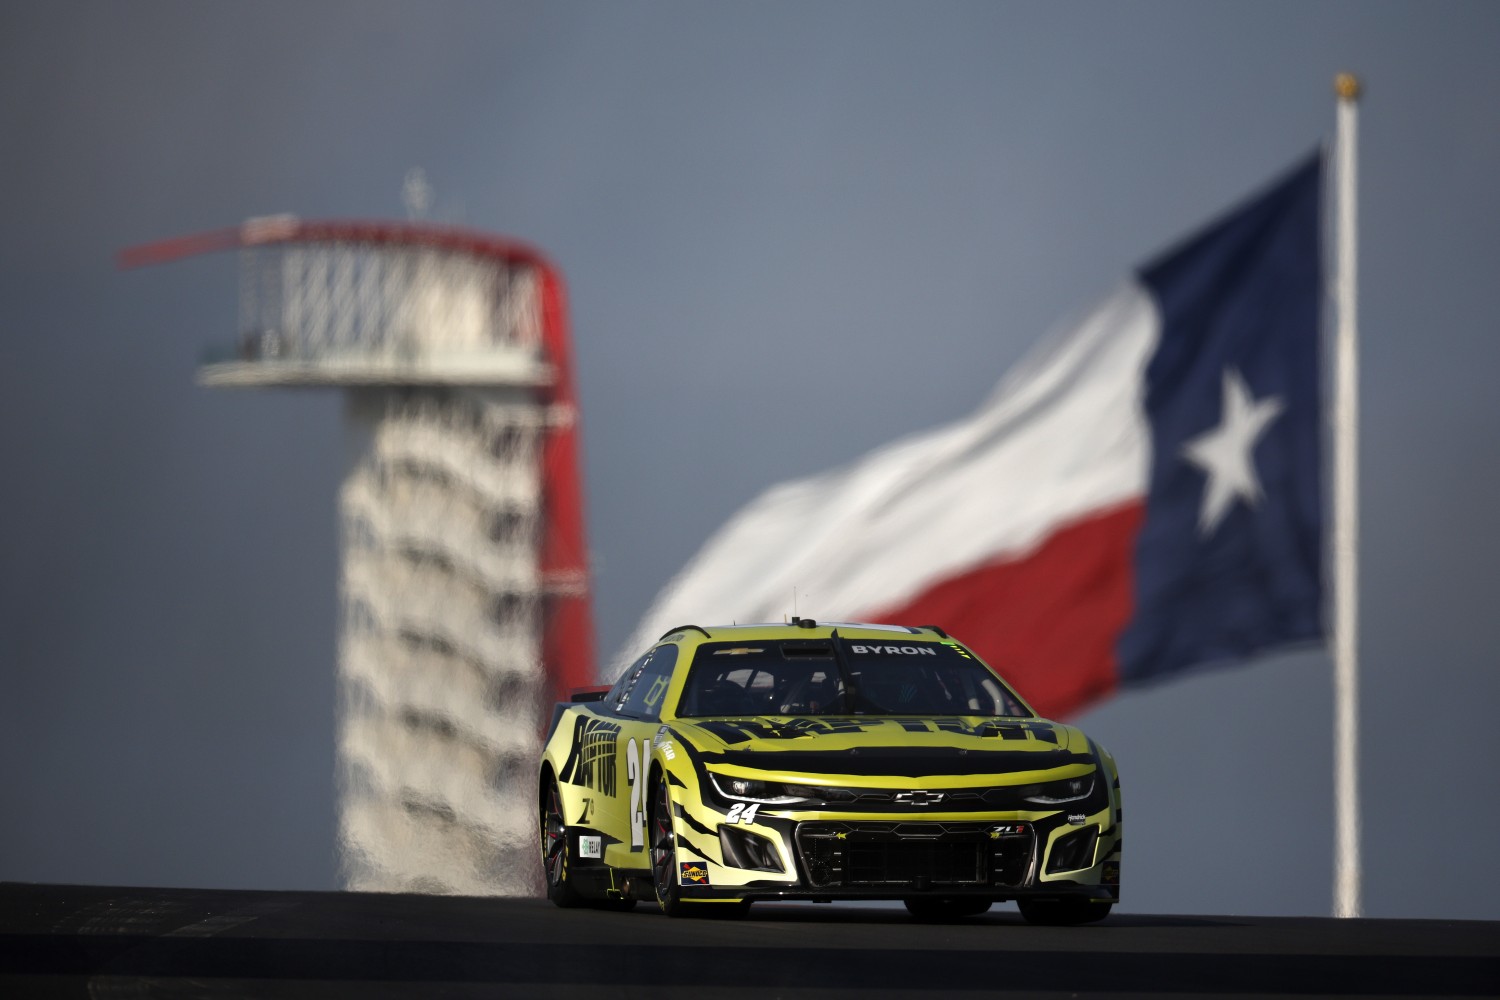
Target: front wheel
[664, 851]
[665, 871]
[945, 908]
[555, 849]
[1062, 912]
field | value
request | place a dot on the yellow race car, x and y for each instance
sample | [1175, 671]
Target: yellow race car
[824, 761]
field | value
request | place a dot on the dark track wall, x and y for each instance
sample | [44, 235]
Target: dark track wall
[106, 942]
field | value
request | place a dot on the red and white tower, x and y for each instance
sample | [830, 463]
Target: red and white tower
[464, 580]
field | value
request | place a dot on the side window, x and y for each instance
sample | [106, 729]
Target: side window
[617, 693]
[643, 698]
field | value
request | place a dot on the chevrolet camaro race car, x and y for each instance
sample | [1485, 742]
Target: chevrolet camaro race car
[824, 761]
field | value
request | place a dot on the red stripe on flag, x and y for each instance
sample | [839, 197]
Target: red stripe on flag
[1049, 621]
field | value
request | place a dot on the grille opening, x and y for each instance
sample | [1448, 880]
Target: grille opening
[1073, 851]
[743, 849]
[916, 855]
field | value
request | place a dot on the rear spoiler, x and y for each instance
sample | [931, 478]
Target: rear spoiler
[583, 694]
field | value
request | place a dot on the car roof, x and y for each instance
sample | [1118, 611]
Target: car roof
[798, 628]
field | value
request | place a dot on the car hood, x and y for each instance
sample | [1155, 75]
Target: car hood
[878, 746]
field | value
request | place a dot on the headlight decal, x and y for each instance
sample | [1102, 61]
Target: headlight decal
[1064, 790]
[770, 793]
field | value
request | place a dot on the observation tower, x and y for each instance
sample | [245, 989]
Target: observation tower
[464, 589]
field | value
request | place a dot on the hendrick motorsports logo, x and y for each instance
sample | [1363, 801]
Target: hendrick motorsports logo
[693, 873]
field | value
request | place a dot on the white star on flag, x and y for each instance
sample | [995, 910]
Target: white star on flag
[1224, 452]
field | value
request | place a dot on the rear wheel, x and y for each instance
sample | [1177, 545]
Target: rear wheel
[1063, 912]
[555, 849]
[945, 908]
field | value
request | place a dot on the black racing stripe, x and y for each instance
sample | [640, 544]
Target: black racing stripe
[698, 848]
[672, 779]
[724, 731]
[906, 762]
[696, 826]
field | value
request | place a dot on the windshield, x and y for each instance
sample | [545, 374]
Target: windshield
[811, 677]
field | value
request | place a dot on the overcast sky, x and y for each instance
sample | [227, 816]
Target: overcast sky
[791, 232]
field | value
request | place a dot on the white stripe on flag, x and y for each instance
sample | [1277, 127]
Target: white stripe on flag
[1063, 435]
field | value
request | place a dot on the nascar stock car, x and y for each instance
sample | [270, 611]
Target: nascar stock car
[824, 761]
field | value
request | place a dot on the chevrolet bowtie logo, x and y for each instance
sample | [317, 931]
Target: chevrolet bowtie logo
[919, 798]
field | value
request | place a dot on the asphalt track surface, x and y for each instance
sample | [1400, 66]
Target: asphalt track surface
[94, 941]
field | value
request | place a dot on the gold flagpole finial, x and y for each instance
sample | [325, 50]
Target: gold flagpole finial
[1347, 86]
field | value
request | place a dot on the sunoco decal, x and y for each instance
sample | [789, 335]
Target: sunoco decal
[693, 873]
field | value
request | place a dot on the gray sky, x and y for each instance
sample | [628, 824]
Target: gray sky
[792, 232]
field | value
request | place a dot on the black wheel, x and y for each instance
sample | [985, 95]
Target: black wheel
[664, 865]
[1063, 912]
[945, 907]
[555, 849]
[664, 851]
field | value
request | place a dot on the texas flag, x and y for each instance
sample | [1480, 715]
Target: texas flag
[1139, 498]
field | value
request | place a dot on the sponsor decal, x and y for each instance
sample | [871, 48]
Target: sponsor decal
[591, 761]
[590, 847]
[693, 873]
[1008, 830]
[1112, 873]
[1076, 818]
[894, 650]
[655, 691]
[737, 651]
[740, 730]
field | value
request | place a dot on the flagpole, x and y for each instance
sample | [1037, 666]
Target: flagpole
[1347, 875]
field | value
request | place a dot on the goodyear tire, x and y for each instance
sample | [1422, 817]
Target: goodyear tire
[945, 908]
[664, 870]
[664, 852]
[1062, 912]
[555, 852]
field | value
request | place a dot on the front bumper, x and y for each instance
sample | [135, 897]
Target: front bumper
[998, 858]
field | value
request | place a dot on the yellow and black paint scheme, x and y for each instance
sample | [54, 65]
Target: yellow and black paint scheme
[654, 790]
